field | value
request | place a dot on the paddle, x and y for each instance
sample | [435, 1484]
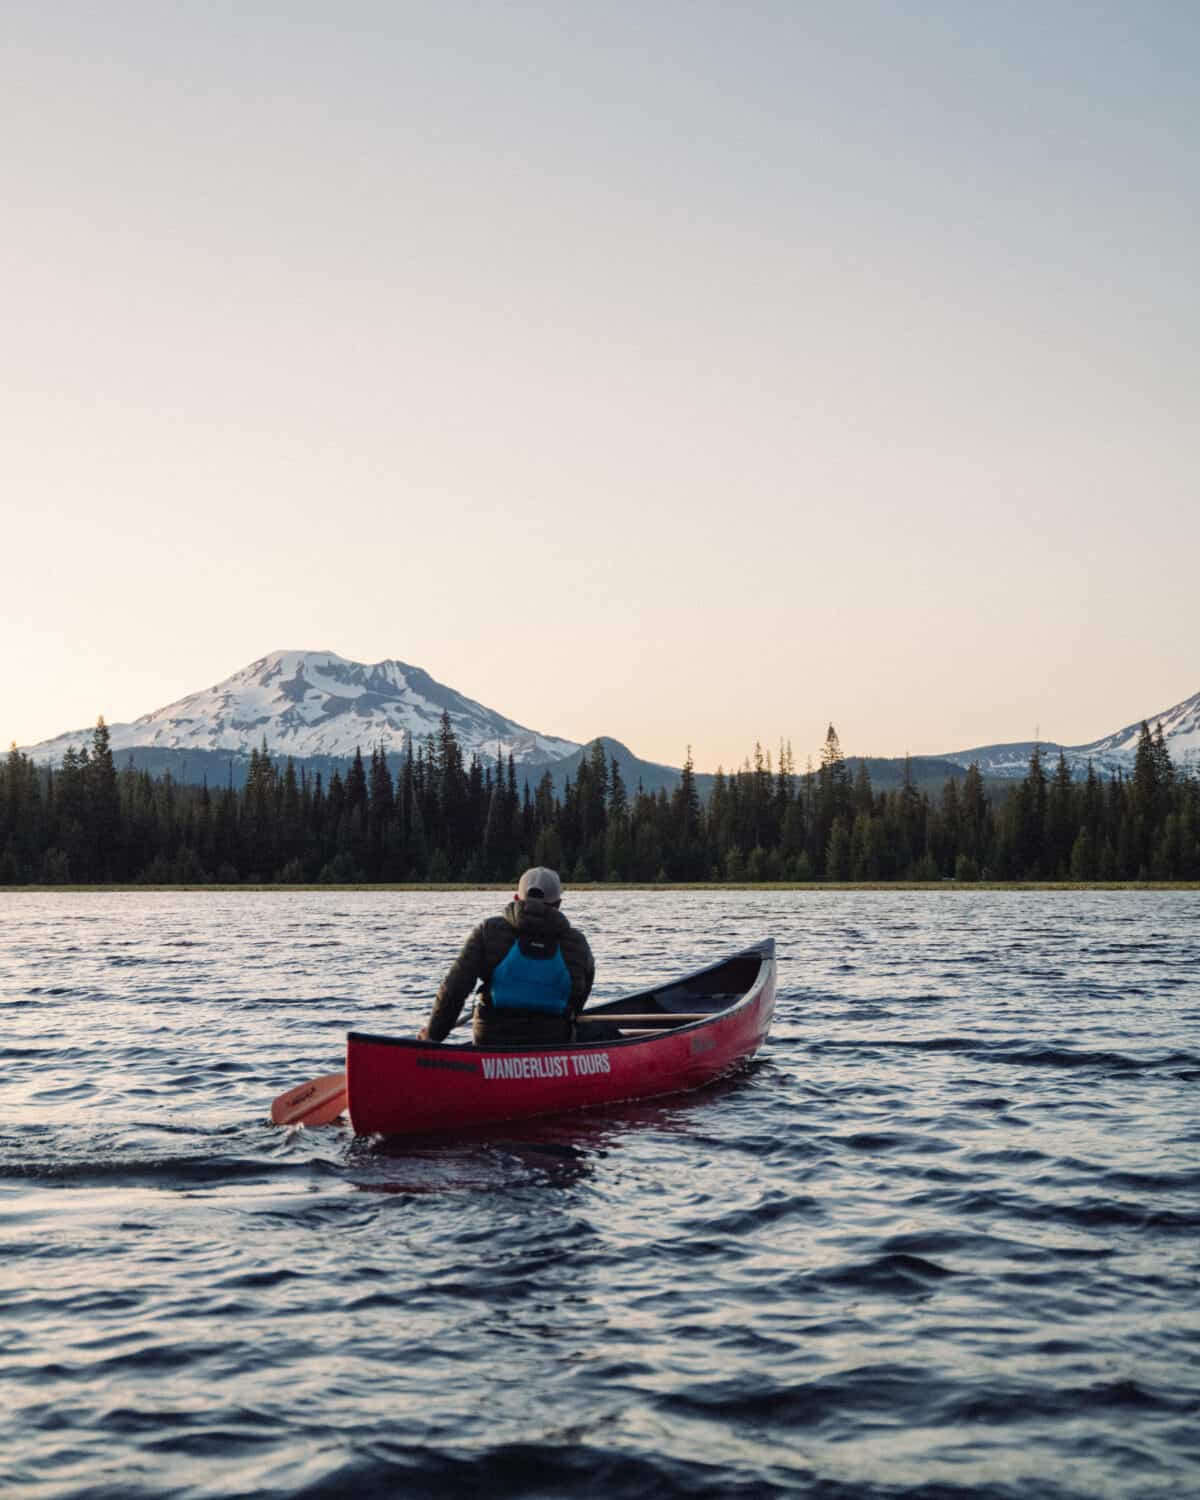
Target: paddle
[317, 1102]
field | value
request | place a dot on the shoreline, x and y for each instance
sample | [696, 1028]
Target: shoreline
[810, 887]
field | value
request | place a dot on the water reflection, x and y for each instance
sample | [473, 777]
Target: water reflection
[554, 1152]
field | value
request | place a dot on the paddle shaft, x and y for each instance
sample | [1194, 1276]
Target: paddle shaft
[660, 1015]
[621, 1020]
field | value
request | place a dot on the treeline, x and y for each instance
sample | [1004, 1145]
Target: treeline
[440, 818]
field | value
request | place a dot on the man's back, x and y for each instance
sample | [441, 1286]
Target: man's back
[522, 1004]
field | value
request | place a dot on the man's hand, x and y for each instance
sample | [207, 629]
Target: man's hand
[423, 1034]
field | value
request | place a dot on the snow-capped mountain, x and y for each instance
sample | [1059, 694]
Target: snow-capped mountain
[1115, 752]
[316, 703]
[307, 703]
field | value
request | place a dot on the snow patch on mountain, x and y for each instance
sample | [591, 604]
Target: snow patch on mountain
[318, 703]
[1114, 752]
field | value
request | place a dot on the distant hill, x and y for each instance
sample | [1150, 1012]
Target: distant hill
[221, 767]
[1114, 752]
[634, 771]
[888, 771]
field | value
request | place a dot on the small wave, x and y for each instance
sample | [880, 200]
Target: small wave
[1023, 1054]
[1087, 1212]
[878, 1388]
[1035, 1055]
[171, 1172]
[575, 1461]
[1152, 1183]
[1032, 1399]
[897, 1140]
[896, 1272]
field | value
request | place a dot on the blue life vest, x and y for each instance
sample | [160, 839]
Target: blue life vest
[532, 975]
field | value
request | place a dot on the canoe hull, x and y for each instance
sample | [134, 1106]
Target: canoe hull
[399, 1086]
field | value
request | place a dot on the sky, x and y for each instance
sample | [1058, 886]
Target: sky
[692, 373]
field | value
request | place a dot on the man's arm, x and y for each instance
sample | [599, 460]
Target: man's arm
[583, 970]
[460, 980]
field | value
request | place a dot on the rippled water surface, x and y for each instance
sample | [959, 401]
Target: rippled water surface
[941, 1238]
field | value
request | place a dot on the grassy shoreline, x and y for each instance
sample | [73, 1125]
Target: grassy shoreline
[809, 887]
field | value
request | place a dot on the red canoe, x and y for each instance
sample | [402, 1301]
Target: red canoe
[672, 1038]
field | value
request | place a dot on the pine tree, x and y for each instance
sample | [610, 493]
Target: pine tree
[381, 816]
[104, 809]
[1025, 819]
[833, 797]
[785, 783]
[1147, 798]
[976, 827]
[335, 815]
[686, 851]
[1164, 769]
[544, 806]
[618, 798]
[356, 786]
[862, 797]
[495, 834]
[258, 825]
[290, 840]
[71, 837]
[1060, 823]
[946, 829]
[837, 856]
[26, 824]
[910, 810]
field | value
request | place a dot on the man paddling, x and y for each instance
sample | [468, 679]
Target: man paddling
[536, 972]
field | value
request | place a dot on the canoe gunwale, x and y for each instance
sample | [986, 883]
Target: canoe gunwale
[764, 951]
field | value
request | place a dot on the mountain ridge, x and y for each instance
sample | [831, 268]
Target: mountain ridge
[317, 703]
[319, 707]
[1108, 755]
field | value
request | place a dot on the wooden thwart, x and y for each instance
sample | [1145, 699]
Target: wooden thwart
[658, 1015]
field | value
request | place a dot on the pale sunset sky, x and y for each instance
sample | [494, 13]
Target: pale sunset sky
[692, 373]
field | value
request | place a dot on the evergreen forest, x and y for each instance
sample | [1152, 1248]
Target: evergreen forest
[444, 819]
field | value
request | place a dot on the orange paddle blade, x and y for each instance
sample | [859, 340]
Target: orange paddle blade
[314, 1103]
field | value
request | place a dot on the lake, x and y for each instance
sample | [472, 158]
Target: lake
[941, 1238]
